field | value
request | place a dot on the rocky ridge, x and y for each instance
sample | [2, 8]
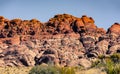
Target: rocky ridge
[64, 40]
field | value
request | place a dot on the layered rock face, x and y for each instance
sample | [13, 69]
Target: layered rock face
[64, 40]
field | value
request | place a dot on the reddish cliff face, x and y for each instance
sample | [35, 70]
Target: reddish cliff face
[65, 40]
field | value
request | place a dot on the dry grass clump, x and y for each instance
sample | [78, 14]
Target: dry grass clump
[15, 70]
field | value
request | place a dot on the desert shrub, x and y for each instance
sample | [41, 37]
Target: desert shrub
[111, 63]
[43, 69]
[111, 67]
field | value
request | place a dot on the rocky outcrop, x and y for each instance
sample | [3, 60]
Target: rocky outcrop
[64, 40]
[115, 28]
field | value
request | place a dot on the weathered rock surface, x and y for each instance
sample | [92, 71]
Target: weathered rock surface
[64, 40]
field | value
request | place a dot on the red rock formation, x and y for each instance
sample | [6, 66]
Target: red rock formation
[65, 40]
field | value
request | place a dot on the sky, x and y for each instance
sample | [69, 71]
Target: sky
[104, 12]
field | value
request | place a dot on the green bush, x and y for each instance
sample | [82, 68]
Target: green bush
[42, 69]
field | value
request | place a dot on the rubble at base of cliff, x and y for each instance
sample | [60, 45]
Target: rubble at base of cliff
[64, 40]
